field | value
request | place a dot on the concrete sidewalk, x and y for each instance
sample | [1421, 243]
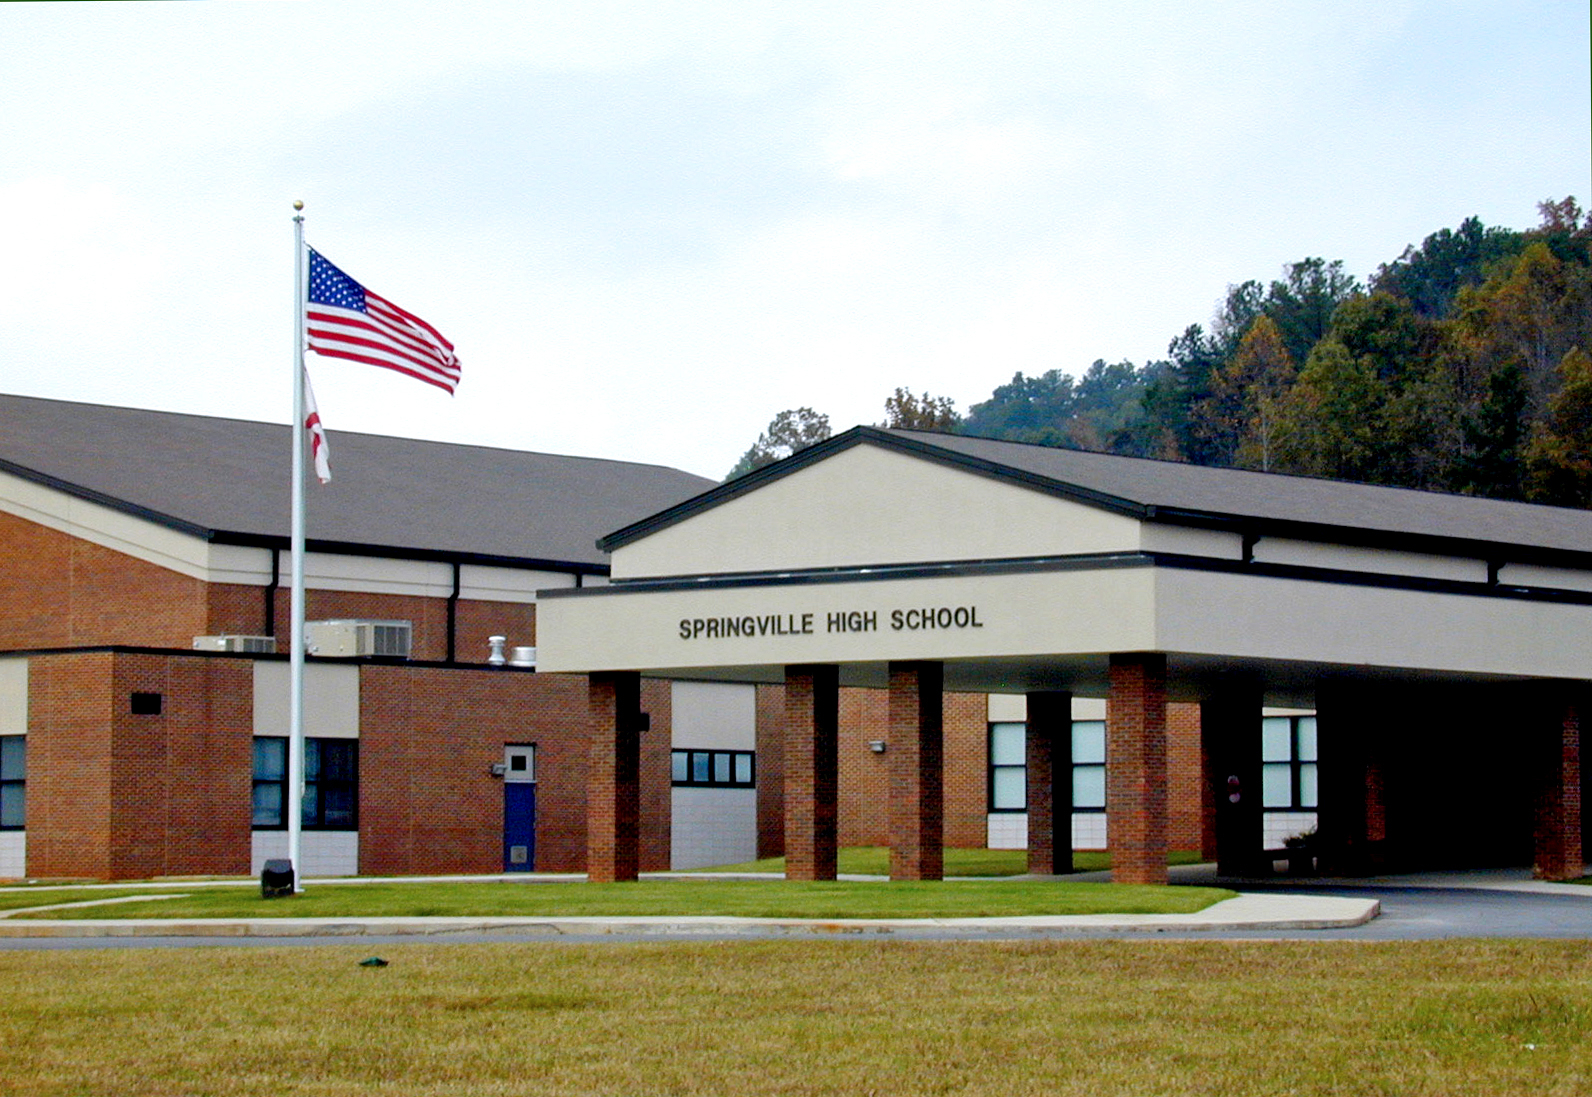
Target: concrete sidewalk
[1258, 912]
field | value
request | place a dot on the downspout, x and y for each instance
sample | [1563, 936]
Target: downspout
[270, 592]
[453, 615]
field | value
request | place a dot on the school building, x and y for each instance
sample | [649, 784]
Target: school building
[894, 638]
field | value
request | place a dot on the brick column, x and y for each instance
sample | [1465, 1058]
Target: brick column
[811, 756]
[613, 777]
[1136, 801]
[1049, 765]
[1558, 851]
[917, 793]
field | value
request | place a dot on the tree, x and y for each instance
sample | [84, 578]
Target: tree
[1559, 454]
[1027, 409]
[1303, 304]
[1431, 276]
[1241, 413]
[905, 411]
[788, 432]
[1493, 461]
[1327, 422]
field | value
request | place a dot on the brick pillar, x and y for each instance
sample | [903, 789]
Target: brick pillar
[1049, 763]
[1230, 734]
[1558, 850]
[811, 756]
[917, 793]
[613, 777]
[1136, 801]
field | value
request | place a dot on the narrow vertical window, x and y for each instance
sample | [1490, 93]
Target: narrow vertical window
[13, 781]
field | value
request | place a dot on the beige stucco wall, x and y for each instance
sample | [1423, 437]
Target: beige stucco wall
[331, 700]
[868, 505]
[1029, 613]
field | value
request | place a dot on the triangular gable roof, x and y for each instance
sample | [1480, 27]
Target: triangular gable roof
[228, 480]
[1252, 503]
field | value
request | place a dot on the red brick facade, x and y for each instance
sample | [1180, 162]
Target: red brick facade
[58, 591]
[1136, 769]
[115, 795]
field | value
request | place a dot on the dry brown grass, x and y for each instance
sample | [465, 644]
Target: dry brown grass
[798, 1018]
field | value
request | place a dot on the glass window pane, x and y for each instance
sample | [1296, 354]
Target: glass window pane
[310, 814]
[1307, 738]
[1276, 786]
[268, 805]
[681, 766]
[1088, 786]
[1007, 788]
[1089, 742]
[721, 768]
[337, 806]
[1307, 785]
[312, 759]
[13, 757]
[12, 813]
[270, 759]
[1276, 739]
[1006, 744]
[699, 766]
[743, 769]
[339, 759]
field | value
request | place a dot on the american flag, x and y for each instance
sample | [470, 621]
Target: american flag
[346, 320]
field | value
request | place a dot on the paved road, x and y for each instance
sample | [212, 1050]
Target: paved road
[1408, 914]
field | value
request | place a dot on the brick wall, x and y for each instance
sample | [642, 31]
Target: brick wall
[771, 771]
[864, 775]
[1190, 801]
[59, 591]
[428, 737]
[114, 795]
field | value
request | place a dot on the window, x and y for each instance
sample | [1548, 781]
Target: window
[1088, 765]
[331, 783]
[713, 768]
[1008, 766]
[13, 781]
[1288, 763]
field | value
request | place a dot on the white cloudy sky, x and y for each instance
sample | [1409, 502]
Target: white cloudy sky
[650, 226]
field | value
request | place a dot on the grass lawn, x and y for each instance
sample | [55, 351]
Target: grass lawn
[875, 861]
[747, 898]
[1237, 1019]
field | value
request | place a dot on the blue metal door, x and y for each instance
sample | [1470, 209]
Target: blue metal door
[519, 826]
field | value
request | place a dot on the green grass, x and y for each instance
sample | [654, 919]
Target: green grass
[875, 861]
[744, 898]
[803, 1019]
[14, 898]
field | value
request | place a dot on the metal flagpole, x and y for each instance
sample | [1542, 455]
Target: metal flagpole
[294, 799]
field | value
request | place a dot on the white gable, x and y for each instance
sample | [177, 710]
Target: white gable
[867, 506]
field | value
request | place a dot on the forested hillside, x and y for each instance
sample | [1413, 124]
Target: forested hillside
[1464, 365]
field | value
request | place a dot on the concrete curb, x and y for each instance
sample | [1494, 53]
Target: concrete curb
[1255, 912]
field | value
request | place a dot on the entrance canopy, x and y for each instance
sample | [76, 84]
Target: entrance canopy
[922, 563]
[1023, 568]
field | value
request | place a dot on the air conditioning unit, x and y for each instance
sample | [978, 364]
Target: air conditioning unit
[349, 638]
[258, 645]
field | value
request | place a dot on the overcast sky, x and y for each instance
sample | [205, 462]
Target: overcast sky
[649, 227]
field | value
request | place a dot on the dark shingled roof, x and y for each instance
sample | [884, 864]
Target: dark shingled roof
[229, 480]
[1271, 498]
